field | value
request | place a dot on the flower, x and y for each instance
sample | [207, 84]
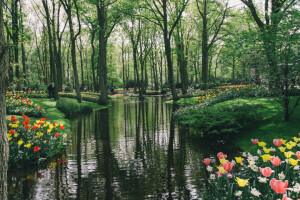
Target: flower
[34, 127]
[281, 176]
[27, 145]
[277, 142]
[212, 176]
[298, 154]
[262, 179]
[275, 161]
[254, 141]
[36, 149]
[283, 141]
[207, 161]
[241, 182]
[26, 127]
[267, 150]
[258, 151]
[266, 171]
[293, 161]
[239, 159]
[266, 157]
[227, 166]
[238, 193]
[296, 139]
[209, 168]
[221, 155]
[219, 173]
[56, 134]
[262, 144]
[282, 149]
[40, 108]
[296, 188]
[13, 119]
[255, 192]
[12, 131]
[288, 154]
[286, 198]
[279, 186]
[221, 169]
[20, 142]
[61, 127]
[223, 160]
[43, 119]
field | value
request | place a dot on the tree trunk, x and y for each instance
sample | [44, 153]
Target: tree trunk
[15, 31]
[93, 60]
[4, 150]
[204, 49]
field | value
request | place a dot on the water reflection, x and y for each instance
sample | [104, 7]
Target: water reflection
[133, 150]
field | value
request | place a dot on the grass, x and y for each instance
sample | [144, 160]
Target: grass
[272, 126]
[185, 101]
[52, 114]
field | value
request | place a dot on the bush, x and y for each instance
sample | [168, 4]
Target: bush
[70, 107]
[31, 143]
[221, 120]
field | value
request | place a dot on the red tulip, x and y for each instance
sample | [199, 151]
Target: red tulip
[276, 161]
[266, 171]
[36, 149]
[40, 108]
[13, 119]
[219, 174]
[56, 134]
[26, 127]
[34, 127]
[279, 186]
[254, 141]
[277, 142]
[207, 161]
[43, 119]
[227, 166]
[24, 116]
[54, 123]
[298, 154]
[62, 127]
[12, 131]
[221, 155]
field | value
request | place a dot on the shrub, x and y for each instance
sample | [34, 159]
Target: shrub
[70, 107]
[31, 143]
[220, 120]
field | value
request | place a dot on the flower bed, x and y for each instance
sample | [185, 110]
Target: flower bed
[31, 143]
[17, 105]
[86, 96]
[29, 94]
[271, 174]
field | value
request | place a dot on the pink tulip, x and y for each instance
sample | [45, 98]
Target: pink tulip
[286, 198]
[207, 161]
[227, 166]
[279, 186]
[254, 141]
[266, 171]
[277, 142]
[221, 155]
[298, 154]
[219, 174]
[229, 175]
[276, 161]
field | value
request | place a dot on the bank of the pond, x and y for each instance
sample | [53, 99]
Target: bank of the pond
[271, 126]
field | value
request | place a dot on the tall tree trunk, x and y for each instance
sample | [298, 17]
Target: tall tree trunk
[15, 31]
[93, 61]
[204, 49]
[4, 150]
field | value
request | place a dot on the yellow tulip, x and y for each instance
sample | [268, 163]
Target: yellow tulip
[39, 134]
[296, 139]
[288, 154]
[283, 141]
[241, 182]
[20, 142]
[221, 169]
[44, 141]
[282, 149]
[267, 150]
[293, 161]
[16, 135]
[49, 130]
[262, 144]
[27, 145]
[223, 160]
[266, 157]
[239, 159]
[289, 146]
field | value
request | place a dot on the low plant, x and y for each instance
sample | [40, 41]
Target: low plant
[17, 105]
[273, 173]
[31, 143]
[71, 106]
[220, 120]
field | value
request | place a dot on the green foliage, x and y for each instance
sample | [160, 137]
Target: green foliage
[71, 106]
[216, 120]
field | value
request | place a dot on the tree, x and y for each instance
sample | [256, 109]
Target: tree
[4, 51]
[167, 19]
[68, 5]
[211, 26]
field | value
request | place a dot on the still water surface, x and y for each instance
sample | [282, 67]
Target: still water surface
[133, 150]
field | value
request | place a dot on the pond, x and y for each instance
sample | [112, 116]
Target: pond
[132, 150]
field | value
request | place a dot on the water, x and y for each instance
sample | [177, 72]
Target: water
[133, 150]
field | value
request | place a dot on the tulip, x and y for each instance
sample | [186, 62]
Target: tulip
[13, 119]
[12, 131]
[219, 174]
[254, 141]
[34, 127]
[293, 161]
[221, 155]
[278, 186]
[36, 149]
[262, 144]
[207, 161]
[266, 172]
[286, 198]
[227, 166]
[56, 134]
[43, 119]
[61, 127]
[277, 142]
[275, 161]
[288, 154]
[239, 159]
[298, 154]
[241, 182]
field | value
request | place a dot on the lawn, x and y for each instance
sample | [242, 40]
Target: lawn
[271, 127]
